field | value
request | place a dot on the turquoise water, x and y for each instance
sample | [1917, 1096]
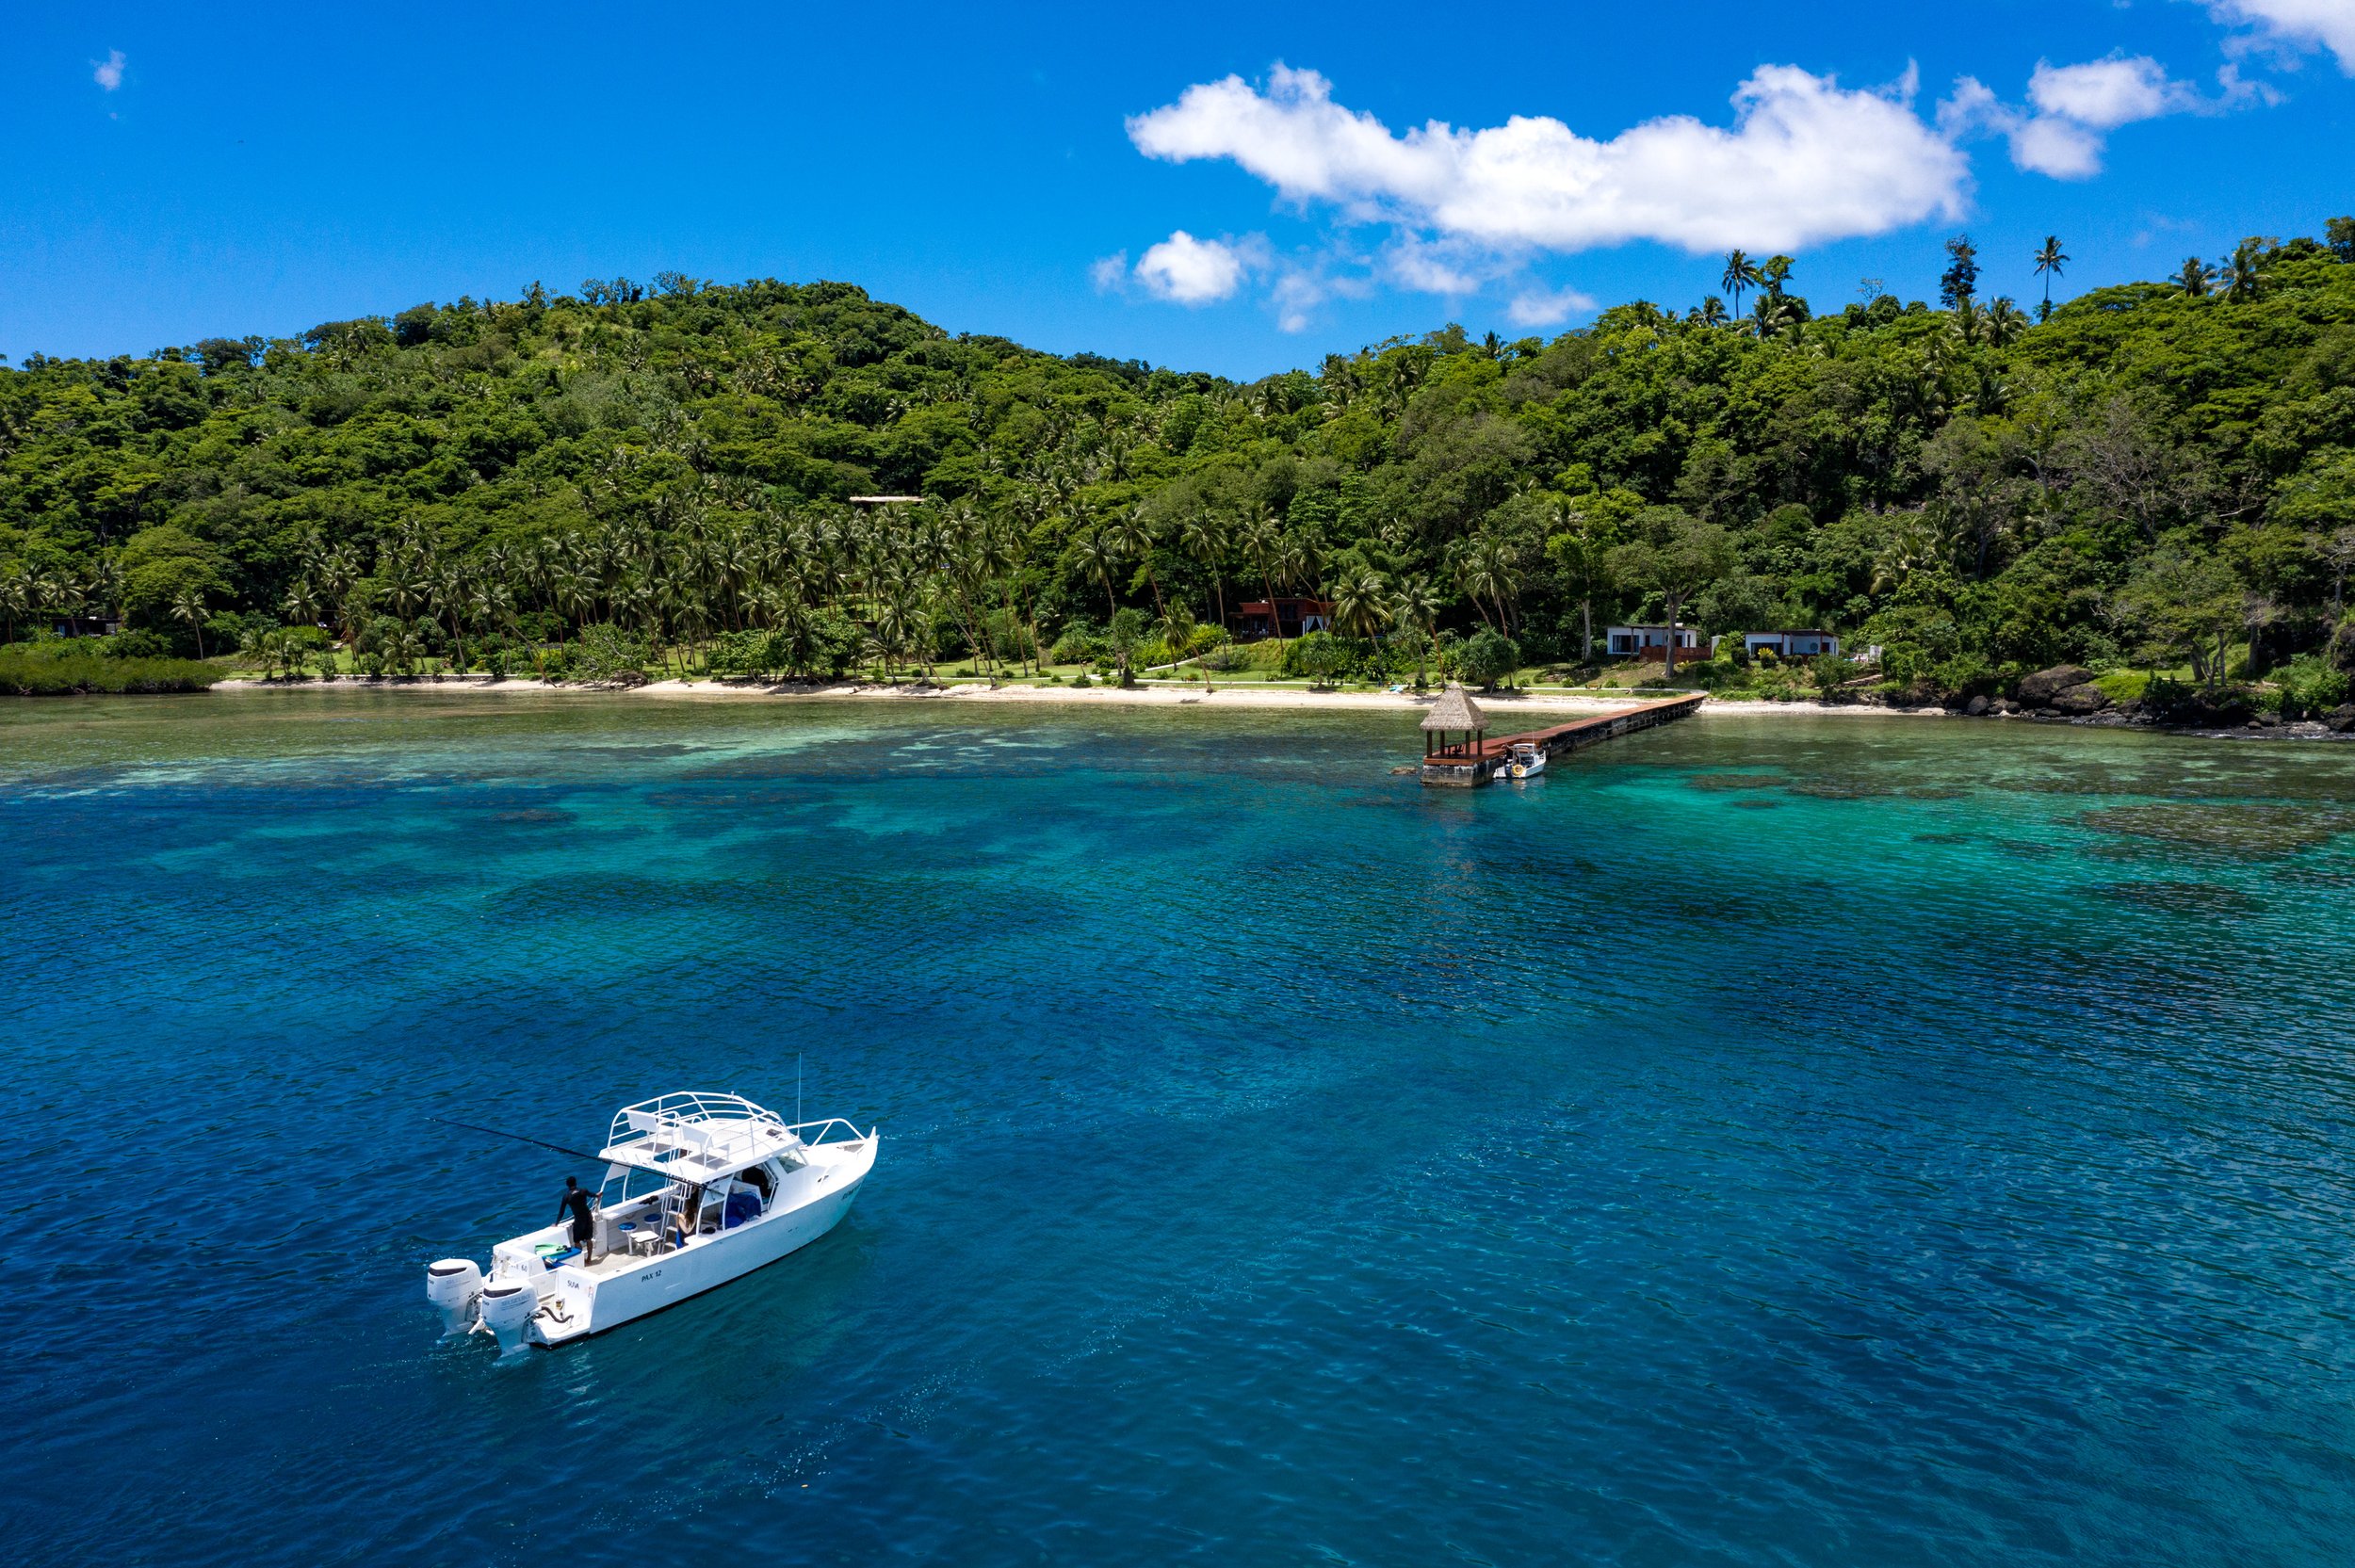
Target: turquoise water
[1764, 1140]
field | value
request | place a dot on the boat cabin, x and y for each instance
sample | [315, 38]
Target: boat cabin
[678, 1168]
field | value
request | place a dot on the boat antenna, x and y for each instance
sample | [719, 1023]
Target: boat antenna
[797, 1089]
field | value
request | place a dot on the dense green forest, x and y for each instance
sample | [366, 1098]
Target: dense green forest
[2160, 475]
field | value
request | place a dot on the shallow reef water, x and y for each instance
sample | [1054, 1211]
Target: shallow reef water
[1768, 1139]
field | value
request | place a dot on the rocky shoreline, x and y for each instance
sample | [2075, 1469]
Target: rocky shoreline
[2067, 691]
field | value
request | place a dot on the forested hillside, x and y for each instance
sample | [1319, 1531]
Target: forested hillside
[2160, 473]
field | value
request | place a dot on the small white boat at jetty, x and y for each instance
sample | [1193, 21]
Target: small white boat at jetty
[699, 1190]
[1526, 760]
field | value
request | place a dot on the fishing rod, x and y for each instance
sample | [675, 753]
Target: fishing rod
[577, 1154]
[536, 1142]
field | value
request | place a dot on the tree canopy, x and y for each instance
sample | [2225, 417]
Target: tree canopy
[1976, 493]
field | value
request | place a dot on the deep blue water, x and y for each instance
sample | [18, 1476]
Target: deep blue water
[1764, 1140]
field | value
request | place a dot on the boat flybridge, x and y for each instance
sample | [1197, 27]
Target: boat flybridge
[699, 1190]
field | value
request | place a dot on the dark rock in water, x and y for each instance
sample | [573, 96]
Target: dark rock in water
[2044, 713]
[2007, 707]
[2081, 699]
[2226, 831]
[2342, 718]
[1976, 707]
[2179, 898]
[2038, 689]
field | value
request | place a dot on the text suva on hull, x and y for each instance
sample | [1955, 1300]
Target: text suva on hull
[700, 1188]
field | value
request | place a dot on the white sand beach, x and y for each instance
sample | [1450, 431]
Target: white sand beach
[1498, 705]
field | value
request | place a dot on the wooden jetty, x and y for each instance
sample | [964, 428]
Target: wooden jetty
[1473, 758]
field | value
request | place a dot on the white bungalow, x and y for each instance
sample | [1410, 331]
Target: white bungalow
[1788, 645]
[1650, 643]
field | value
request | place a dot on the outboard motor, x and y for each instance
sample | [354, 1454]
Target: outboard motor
[453, 1285]
[506, 1309]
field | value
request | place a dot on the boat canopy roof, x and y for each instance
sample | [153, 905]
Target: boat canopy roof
[697, 1136]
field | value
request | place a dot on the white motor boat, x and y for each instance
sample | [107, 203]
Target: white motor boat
[699, 1189]
[1525, 761]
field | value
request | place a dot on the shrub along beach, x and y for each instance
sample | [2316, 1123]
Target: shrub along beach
[2142, 505]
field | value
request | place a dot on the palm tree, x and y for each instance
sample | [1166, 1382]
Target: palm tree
[1203, 536]
[189, 605]
[1297, 563]
[491, 605]
[575, 595]
[1177, 630]
[103, 588]
[2003, 321]
[406, 587]
[449, 593]
[1416, 605]
[14, 598]
[2245, 274]
[41, 593]
[1133, 536]
[1360, 603]
[1485, 571]
[1100, 555]
[1909, 548]
[402, 650]
[1264, 543]
[1773, 273]
[1770, 315]
[1741, 273]
[1711, 312]
[2194, 277]
[2050, 259]
[303, 602]
[1585, 569]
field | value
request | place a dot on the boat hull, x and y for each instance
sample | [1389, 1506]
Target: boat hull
[578, 1306]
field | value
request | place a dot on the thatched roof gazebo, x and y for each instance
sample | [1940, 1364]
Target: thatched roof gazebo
[1455, 713]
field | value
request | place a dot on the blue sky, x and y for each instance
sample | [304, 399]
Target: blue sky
[170, 172]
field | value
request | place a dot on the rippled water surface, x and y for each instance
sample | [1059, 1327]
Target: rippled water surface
[1760, 1141]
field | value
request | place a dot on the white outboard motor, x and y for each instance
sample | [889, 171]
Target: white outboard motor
[453, 1285]
[506, 1309]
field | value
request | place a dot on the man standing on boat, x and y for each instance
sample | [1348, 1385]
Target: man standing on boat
[584, 1225]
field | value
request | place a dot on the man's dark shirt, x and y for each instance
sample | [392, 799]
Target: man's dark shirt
[576, 1199]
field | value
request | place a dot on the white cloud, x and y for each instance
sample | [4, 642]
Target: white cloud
[2105, 94]
[2062, 132]
[107, 72]
[1538, 307]
[2296, 23]
[1189, 271]
[1304, 284]
[1805, 161]
[1108, 273]
[1297, 294]
[1429, 268]
[2060, 148]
